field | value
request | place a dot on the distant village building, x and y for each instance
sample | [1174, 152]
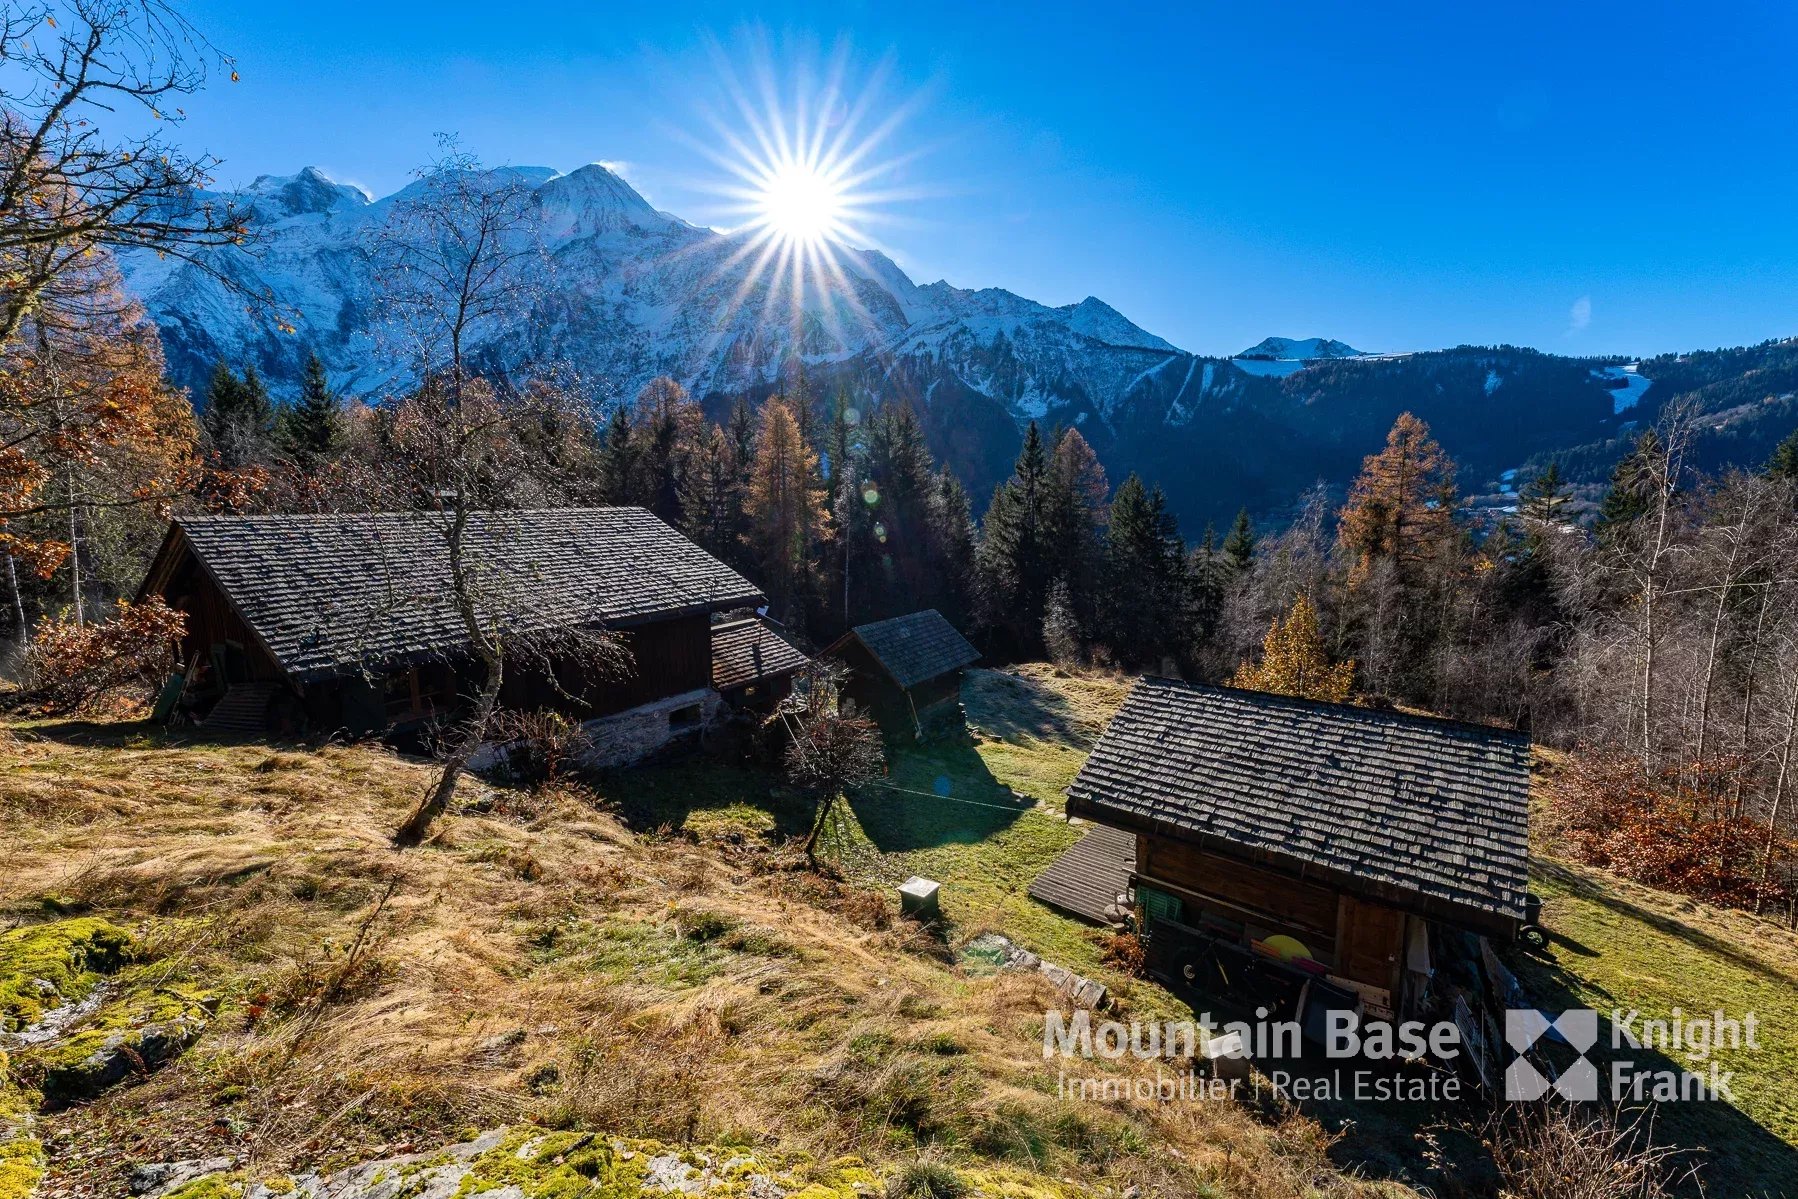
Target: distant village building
[907, 671]
[1270, 842]
[346, 622]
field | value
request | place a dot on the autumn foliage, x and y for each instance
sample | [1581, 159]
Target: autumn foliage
[71, 666]
[1675, 830]
[1294, 660]
[1402, 504]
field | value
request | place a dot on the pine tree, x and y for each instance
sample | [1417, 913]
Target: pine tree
[1015, 562]
[1784, 463]
[1145, 565]
[1239, 546]
[311, 429]
[784, 511]
[741, 431]
[239, 417]
[619, 476]
[1632, 489]
[1294, 660]
[1074, 511]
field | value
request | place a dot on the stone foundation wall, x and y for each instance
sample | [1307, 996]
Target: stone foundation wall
[629, 736]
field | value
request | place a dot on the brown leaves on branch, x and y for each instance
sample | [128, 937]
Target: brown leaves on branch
[1673, 830]
[1295, 661]
[70, 666]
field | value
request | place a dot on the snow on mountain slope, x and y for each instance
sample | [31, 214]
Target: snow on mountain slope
[631, 292]
[1302, 349]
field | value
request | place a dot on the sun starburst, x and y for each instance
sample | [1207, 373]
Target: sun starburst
[807, 172]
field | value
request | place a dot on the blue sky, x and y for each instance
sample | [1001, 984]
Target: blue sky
[1581, 178]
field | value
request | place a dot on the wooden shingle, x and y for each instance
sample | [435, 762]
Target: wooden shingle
[915, 648]
[1408, 807]
[331, 594]
[747, 651]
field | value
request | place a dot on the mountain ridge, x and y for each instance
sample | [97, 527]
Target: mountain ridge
[631, 292]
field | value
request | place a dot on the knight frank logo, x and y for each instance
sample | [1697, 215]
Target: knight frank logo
[1692, 1037]
[1524, 1027]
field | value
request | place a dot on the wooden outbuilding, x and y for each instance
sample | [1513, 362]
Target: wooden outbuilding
[1346, 845]
[347, 622]
[907, 671]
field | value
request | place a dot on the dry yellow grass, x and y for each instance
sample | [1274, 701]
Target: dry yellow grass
[540, 962]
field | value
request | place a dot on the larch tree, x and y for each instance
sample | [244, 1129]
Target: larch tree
[1295, 661]
[1074, 516]
[1401, 506]
[784, 510]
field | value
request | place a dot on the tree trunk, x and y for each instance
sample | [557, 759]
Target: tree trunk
[1780, 782]
[1710, 660]
[1751, 677]
[418, 824]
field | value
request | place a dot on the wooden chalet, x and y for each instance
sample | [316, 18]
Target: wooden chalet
[1288, 841]
[346, 622]
[907, 671]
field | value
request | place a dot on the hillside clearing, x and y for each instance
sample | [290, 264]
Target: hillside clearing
[540, 962]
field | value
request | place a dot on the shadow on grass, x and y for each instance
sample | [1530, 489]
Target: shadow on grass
[936, 793]
[1013, 708]
[1735, 1155]
[1671, 925]
[699, 795]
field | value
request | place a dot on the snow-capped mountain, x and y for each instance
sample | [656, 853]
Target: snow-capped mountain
[629, 292]
[1300, 349]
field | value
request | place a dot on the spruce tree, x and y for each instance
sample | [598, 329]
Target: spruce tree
[618, 458]
[1544, 495]
[1073, 517]
[239, 417]
[1239, 546]
[1631, 493]
[311, 429]
[1146, 569]
[1784, 463]
[1015, 563]
[952, 549]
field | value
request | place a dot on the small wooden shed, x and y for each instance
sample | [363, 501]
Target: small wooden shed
[907, 671]
[752, 665]
[1340, 840]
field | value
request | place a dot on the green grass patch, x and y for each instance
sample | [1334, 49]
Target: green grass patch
[1620, 946]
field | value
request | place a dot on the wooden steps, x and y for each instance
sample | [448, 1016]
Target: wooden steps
[243, 712]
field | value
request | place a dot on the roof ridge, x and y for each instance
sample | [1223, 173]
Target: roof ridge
[1274, 698]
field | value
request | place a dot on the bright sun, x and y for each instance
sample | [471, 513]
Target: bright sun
[801, 204]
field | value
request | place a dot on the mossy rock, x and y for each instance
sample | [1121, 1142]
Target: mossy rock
[44, 966]
[137, 1033]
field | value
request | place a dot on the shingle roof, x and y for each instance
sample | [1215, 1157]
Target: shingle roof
[330, 594]
[1433, 812]
[916, 647]
[748, 651]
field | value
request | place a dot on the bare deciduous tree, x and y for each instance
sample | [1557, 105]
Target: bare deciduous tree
[68, 191]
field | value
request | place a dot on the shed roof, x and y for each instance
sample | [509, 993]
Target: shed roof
[330, 594]
[914, 648]
[747, 651]
[1428, 814]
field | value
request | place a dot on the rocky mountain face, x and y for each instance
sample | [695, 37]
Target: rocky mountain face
[630, 292]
